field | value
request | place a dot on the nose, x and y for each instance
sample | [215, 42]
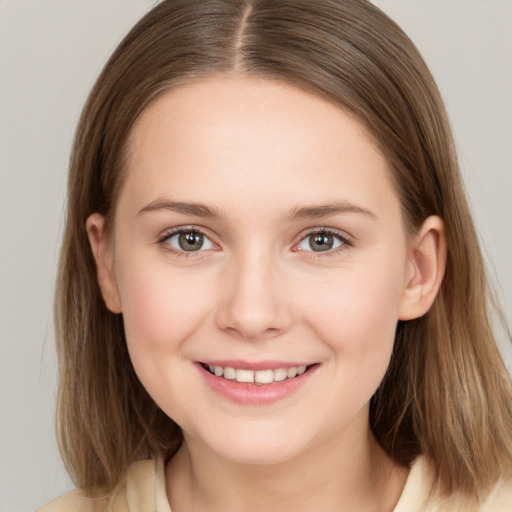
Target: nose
[254, 302]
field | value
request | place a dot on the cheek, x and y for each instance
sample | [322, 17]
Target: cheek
[162, 307]
[356, 313]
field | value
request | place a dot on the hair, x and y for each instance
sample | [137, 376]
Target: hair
[447, 393]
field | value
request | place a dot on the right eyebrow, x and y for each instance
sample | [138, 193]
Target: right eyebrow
[196, 209]
[326, 210]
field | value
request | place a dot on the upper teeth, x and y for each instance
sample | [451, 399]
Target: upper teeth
[259, 376]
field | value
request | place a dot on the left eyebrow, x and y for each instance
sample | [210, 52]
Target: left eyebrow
[197, 209]
[326, 210]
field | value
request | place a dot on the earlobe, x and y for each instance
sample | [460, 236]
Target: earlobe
[102, 253]
[425, 269]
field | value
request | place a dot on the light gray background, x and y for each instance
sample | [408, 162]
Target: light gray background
[50, 53]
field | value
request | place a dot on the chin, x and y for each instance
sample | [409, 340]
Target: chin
[262, 449]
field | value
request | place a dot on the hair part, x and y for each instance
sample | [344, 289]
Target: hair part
[447, 393]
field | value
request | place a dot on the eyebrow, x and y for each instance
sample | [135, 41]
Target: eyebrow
[297, 213]
[196, 209]
[325, 210]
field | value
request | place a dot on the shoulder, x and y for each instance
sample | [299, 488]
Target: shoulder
[142, 489]
[73, 501]
[419, 496]
[80, 501]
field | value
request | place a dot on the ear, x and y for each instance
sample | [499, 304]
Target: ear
[102, 252]
[425, 269]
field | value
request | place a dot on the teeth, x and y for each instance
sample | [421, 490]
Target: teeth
[229, 373]
[280, 374]
[258, 377]
[291, 372]
[244, 375]
[264, 376]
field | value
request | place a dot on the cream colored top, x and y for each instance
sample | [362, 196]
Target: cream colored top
[143, 490]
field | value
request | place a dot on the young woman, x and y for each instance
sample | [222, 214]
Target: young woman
[271, 293]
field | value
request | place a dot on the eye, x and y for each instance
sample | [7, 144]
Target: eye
[188, 240]
[322, 241]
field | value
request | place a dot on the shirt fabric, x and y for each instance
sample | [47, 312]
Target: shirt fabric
[143, 490]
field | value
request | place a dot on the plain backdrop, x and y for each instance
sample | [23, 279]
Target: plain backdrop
[50, 54]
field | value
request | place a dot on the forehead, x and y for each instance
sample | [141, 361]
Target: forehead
[250, 138]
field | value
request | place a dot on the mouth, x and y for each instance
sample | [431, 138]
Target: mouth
[257, 377]
[256, 384]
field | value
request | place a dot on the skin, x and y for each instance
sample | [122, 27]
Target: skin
[263, 157]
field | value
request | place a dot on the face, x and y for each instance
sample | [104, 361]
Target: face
[259, 259]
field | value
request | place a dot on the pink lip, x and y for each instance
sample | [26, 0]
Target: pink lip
[255, 366]
[254, 394]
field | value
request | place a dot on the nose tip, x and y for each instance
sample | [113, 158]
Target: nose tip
[245, 331]
[254, 303]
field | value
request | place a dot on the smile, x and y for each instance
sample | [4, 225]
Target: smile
[256, 384]
[267, 376]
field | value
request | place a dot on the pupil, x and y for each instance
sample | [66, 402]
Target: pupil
[191, 241]
[321, 242]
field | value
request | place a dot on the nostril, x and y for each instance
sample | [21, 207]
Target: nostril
[254, 307]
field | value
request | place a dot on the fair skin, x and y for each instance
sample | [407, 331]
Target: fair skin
[290, 252]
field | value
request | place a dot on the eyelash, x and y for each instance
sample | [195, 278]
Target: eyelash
[345, 242]
[162, 240]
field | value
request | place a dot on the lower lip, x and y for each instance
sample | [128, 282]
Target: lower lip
[255, 394]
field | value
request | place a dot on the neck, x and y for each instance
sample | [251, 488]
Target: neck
[339, 473]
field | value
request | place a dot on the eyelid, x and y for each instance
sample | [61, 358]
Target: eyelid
[346, 240]
[168, 233]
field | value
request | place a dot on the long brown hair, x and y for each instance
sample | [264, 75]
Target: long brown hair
[447, 393]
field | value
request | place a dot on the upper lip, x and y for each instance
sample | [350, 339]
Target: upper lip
[254, 365]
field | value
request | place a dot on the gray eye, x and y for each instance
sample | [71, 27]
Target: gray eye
[320, 242]
[189, 241]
